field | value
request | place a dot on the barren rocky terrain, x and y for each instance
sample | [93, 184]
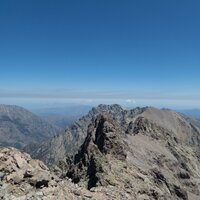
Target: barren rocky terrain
[111, 153]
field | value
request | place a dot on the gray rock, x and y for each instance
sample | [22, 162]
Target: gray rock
[2, 174]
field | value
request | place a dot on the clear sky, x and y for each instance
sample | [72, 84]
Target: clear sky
[140, 52]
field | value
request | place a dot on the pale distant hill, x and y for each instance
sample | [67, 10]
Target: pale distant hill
[19, 127]
[194, 113]
[62, 116]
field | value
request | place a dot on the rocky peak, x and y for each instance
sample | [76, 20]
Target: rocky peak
[115, 110]
[105, 134]
[90, 162]
[114, 107]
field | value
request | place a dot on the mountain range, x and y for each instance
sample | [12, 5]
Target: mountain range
[63, 115]
[111, 153]
[194, 113]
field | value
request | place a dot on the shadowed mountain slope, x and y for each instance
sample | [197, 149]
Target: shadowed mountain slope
[19, 127]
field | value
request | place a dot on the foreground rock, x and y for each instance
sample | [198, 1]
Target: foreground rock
[22, 178]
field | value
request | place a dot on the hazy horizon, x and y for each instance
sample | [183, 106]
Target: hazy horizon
[134, 53]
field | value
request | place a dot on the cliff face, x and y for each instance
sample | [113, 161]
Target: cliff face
[90, 163]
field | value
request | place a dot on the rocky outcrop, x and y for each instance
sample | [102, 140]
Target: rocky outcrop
[23, 177]
[91, 163]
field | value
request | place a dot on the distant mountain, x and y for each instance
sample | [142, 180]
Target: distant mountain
[60, 121]
[194, 113]
[192, 116]
[64, 110]
[19, 127]
[62, 115]
[192, 121]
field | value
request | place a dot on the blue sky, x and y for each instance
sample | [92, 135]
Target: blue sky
[133, 52]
